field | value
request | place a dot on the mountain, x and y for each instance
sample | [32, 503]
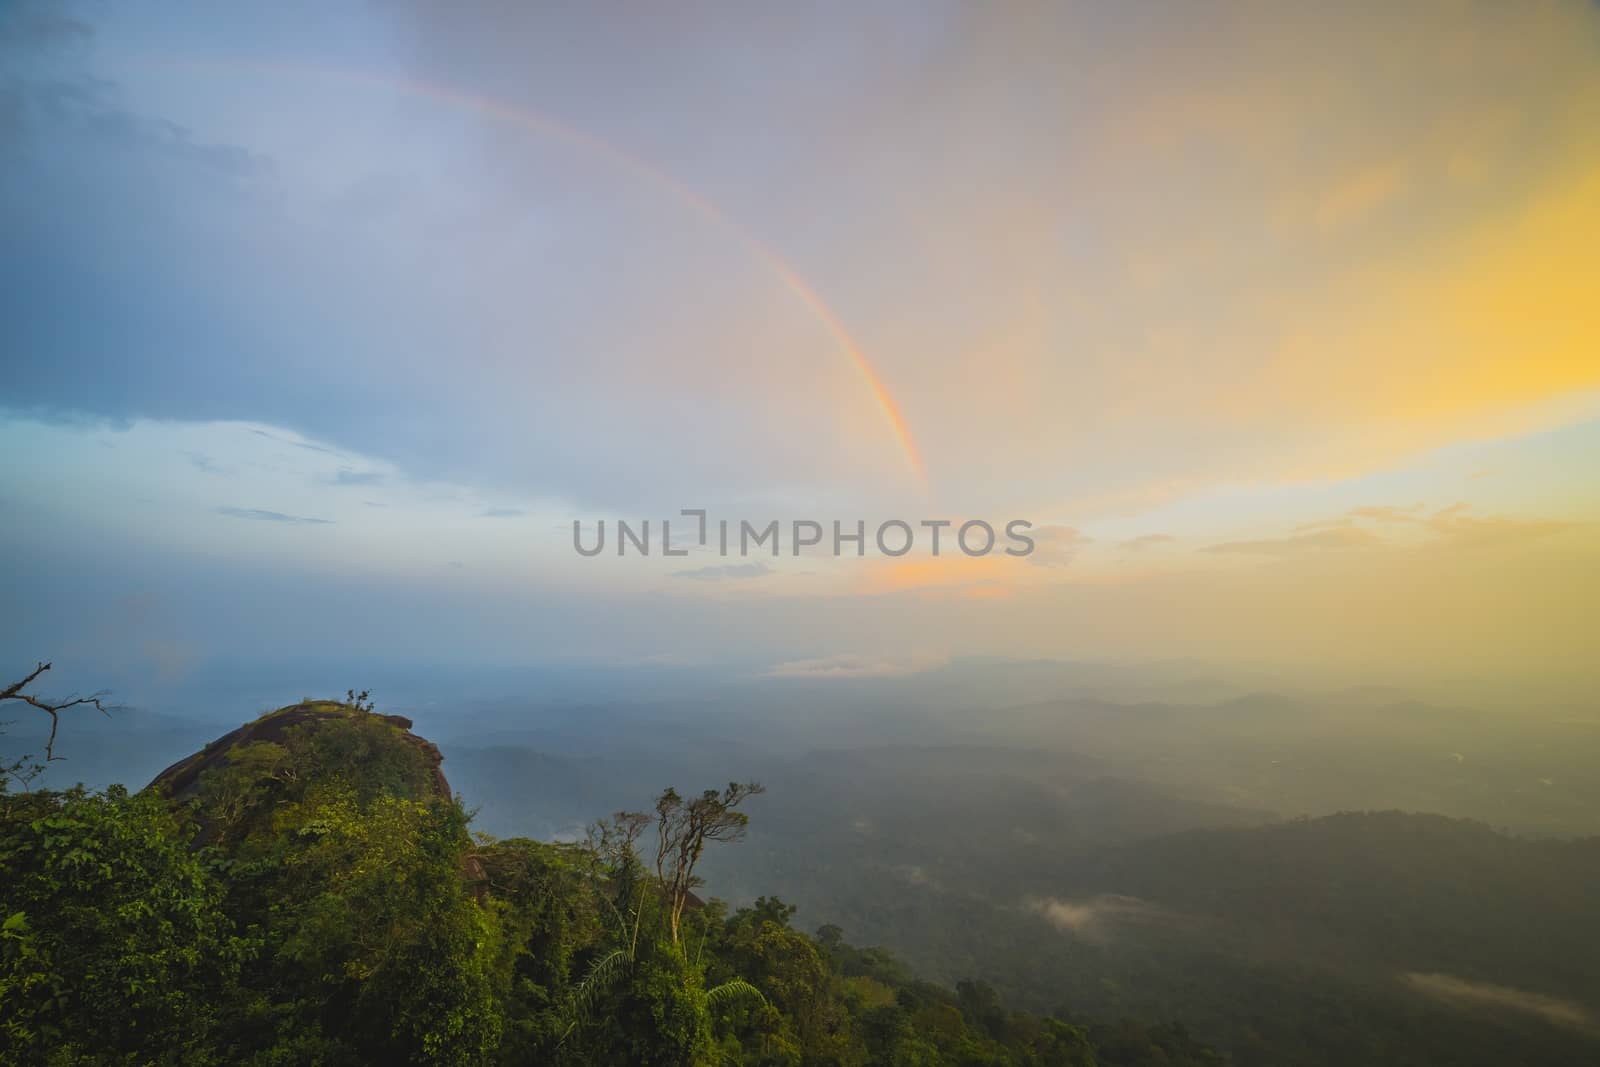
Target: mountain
[305, 889]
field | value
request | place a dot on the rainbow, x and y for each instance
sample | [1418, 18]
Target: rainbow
[548, 127]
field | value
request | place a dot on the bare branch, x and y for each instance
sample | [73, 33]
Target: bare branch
[12, 690]
[52, 708]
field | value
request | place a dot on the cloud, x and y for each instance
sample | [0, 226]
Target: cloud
[1338, 537]
[725, 571]
[1461, 992]
[947, 576]
[1450, 527]
[1146, 541]
[853, 666]
[66, 101]
[1357, 197]
[502, 513]
[346, 476]
[203, 462]
[263, 515]
[916, 875]
[1055, 546]
[37, 25]
[1325, 524]
[1453, 527]
[1386, 513]
[1093, 919]
[1459, 530]
[307, 445]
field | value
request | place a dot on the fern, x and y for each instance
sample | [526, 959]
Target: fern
[602, 974]
[733, 989]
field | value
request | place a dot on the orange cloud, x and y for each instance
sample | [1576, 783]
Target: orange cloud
[1357, 197]
[958, 576]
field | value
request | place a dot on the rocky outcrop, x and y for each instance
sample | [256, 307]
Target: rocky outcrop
[181, 780]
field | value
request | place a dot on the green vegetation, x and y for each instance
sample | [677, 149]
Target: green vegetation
[306, 890]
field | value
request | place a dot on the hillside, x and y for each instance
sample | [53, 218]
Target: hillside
[1356, 938]
[1072, 886]
[305, 889]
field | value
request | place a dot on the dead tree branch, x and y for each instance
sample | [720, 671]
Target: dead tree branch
[52, 708]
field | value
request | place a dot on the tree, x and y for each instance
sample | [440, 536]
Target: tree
[981, 1006]
[649, 991]
[683, 827]
[803, 1012]
[1063, 1045]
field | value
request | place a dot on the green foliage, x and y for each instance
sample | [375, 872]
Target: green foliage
[547, 918]
[365, 913]
[114, 946]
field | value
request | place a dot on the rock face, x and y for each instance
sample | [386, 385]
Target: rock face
[181, 781]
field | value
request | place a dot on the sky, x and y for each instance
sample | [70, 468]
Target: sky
[1280, 323]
